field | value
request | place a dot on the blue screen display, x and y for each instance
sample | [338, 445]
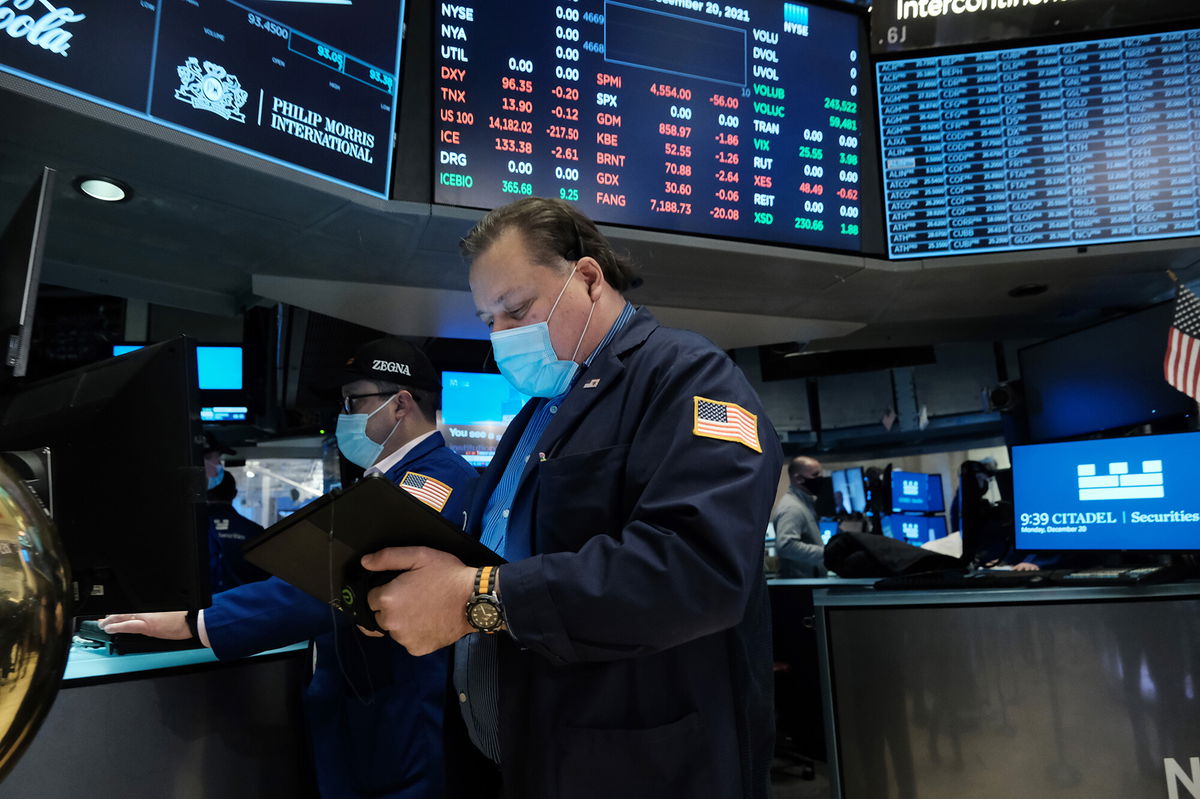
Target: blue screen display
[828, 529]
[1054, 146]
[915, 530]
[1110, 494]
[914, 492]
[476, 410]
[217, 368]
[849, 493]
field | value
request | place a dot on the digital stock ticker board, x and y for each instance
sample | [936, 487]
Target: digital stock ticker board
[742, 121]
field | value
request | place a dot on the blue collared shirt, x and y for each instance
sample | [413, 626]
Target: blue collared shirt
[475, 677]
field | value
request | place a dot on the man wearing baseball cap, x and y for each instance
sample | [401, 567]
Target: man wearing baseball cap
[374, 711]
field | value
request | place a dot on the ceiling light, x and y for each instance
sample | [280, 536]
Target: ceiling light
[109, 190]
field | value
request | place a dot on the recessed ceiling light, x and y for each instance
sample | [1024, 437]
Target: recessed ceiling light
[109, 190]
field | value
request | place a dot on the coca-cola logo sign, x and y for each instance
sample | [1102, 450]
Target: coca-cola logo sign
[39, 23]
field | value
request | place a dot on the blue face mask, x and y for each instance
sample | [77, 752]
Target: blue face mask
[215, 481]
[352, 437]
[526, 355]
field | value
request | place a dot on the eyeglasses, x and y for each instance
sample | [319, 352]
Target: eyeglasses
[348, 400]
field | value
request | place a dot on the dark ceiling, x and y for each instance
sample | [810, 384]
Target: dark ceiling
[205, 220]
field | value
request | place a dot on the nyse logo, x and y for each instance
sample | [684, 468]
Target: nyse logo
[1176, 777]
[391, 366]
[911, 530]
[911, 488]
[46, 31]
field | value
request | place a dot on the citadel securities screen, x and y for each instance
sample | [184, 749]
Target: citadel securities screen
[1113, 494]
[1062, 145]
[697, 117]
[310, 85]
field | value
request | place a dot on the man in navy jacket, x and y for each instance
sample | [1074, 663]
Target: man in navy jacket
[374, 711]
[624, 649]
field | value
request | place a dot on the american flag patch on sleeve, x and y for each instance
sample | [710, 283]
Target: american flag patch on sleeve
[727, 421]
[433, 493]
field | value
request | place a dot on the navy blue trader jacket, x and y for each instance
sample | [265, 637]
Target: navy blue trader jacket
[639, 663]
[377, 730]
[228, 530]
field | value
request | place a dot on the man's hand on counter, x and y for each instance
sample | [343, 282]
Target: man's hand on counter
[171, 625]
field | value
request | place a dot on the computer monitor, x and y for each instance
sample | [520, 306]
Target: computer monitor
[849, 490]
[915, 530]
[126, 474]
[1101, 378]
[476, 410]
[829, 529]
[915, 492]
[22, 245]
[221, 378]
[1112, 494]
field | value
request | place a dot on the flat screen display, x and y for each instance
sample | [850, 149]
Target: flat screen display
[1062, 145]
[1100, 378]
[476, 410]
[306, 84]
[915, 530]
[218, 368]
[829, 529]
[1108, 494]
[739, 121]
[849, 492]
[914, 492]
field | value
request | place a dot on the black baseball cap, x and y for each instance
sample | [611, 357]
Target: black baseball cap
[392, 360]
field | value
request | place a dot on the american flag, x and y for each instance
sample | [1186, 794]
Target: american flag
[1182, 364]
[726, 421]
[432, 492]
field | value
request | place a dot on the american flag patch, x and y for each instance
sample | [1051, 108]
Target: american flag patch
[433, 493]
[726, 421]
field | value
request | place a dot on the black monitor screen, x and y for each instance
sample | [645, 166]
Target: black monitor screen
[1054, 146]
[1104, 377]
[127, 480]
[742, 121]
[914, 492]
[1108, 494]
[310, 85]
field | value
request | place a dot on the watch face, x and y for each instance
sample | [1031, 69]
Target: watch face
[484, 615]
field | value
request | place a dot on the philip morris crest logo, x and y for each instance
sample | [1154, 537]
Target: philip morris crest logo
[211, 89]
[1120, 483]
[45, 31]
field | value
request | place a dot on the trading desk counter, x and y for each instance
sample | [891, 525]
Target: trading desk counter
[1054, 692]
[171, 724]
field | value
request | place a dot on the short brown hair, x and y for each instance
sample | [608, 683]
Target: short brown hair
[552, 229]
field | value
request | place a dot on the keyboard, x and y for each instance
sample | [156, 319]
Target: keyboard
[1044, 578]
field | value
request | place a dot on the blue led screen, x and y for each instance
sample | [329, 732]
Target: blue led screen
[1062, 145]
[1108, 494]
[914, 492]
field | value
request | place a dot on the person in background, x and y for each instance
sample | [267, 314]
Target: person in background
[623, 650]
[228, 531]
[797, 529]
[374, 711]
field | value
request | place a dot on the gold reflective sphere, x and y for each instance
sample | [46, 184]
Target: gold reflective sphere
[34, 623]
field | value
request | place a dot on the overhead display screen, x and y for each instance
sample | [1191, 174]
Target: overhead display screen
[697, 117]
[310, 85]
[1063, 145]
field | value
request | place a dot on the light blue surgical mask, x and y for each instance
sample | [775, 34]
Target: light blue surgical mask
[352, 438]
[215, 481]
[526, 355]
